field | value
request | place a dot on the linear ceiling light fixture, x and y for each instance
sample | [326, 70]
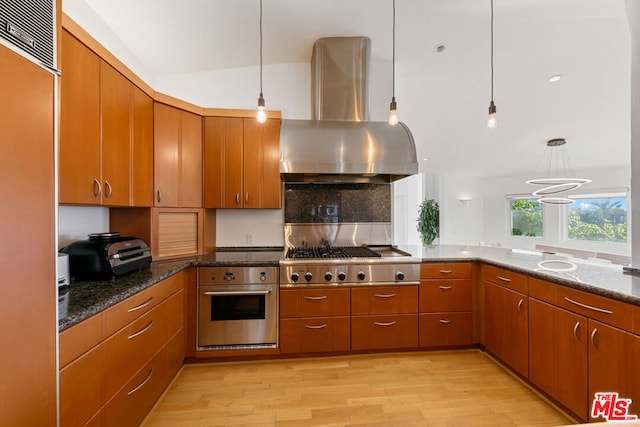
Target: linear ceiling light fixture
[492, 122]
[557, 161]
[262, 113]
[393, 107]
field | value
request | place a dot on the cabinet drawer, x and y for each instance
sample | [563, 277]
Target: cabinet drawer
[315, 334]
[129, 349]
[384, 300]
[382, 332]
[445, 295]
[314, 302]
[79, 338]
[508, 279]
[136, 305]
[131, 404]
[446, 329]
[447, 270]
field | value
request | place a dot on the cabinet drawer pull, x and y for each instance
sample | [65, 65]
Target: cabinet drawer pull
[504, 279]
[141, 331]
[520, 306]
[324, 325]
[237, 198]
[593, 337]
[446, 271]
[589, 307]
[139, 386]
[246, 198]
[385, 324]
[138, 307]
[445, 321]
[316, 298]
[445, 288]
[159, 196]
[384, 295]
[97, 188]
[575, 331]
[107, 194]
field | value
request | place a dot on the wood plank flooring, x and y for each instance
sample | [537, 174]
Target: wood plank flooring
[457, 388]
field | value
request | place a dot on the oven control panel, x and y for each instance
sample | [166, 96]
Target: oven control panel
[349, 274]
[240, 275]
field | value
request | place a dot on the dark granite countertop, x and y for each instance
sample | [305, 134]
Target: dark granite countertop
[83, 299]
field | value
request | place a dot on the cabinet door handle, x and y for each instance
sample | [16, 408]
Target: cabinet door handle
[446, 271]
[138, 307]
[97, 188]
[504, 279]
[593, 337]
[520, 306]
[445, 321]
[589, 307]
[384, 295]
[107, 194]
[385, 324]
[139, 386]
[237, 198]
[159, 196]
[316, 298]
[324, 325]
[575, 331]
[246, 198]
[141, 331]
[445, 288]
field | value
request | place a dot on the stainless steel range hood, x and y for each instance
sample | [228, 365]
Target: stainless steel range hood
[340, 144]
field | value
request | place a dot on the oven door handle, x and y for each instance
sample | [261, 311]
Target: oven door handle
[227, 293]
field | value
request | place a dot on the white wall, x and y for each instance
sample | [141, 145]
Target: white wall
[461, 210]
[633, 15]
[75, 222]
[259, 227]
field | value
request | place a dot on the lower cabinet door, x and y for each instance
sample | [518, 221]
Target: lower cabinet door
[385, 331]
[315, 335]
[445, 329]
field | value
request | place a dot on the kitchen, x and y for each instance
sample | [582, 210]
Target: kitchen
[264, 228]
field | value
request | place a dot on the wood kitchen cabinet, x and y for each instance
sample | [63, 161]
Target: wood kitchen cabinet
[506, 317]
[314, 320]
[177, 157]
[105, 133]
[384, 317]
[445, 305]
[241, 163]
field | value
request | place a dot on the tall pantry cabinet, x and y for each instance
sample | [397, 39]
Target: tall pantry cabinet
[27, 254]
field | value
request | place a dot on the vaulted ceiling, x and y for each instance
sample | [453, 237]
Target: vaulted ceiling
[443, 97]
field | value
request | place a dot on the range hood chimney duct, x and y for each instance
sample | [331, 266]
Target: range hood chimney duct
[340, 144]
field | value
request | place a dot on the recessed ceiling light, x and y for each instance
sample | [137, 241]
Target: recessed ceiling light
[555, 78]
[439, 48]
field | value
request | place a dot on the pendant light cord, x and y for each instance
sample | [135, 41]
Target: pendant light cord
[393, 72]
[261, 47]
[491, 50]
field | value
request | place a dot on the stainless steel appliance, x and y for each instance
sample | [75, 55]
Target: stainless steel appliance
[106, 255]
[237, 308]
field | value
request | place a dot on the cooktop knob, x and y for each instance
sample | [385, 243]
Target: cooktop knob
[328, 276]
[295, 277]
[361, 275]
[400, 275]
[308, 276]
[342, 276]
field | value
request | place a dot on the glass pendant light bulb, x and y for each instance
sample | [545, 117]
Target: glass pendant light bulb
[393, 112]
[262, 113]
[492, 122]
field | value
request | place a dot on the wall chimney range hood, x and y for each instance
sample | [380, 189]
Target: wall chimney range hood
[340, 145]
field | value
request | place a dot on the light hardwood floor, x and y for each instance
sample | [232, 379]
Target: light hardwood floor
[461, 388]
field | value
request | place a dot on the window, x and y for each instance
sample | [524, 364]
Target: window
[526, 217]
[598, 218]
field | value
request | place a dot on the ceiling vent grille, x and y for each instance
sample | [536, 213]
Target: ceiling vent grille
[30, 26]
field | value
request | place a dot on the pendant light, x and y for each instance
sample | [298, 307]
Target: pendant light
[393, 107]
[558, 179]
[492, 122]
[262, 113]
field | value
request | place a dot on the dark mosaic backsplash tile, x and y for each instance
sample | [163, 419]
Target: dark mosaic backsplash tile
[322, 203]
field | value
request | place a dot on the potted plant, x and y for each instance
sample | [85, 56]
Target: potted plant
[429, 221]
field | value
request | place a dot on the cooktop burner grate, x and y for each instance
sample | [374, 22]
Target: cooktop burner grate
[331, 252]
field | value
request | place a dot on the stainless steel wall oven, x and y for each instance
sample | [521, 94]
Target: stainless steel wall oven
[237, 308]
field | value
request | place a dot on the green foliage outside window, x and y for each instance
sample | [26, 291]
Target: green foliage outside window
[602, 220]
[526, 217]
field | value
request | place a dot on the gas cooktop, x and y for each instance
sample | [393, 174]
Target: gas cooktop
[331, 252]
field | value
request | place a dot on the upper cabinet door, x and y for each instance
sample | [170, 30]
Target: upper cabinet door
[223, 162]
[191, 160]
[142, 150]
[262, 185]
[116, 115]
[166, 152]
[79, 173]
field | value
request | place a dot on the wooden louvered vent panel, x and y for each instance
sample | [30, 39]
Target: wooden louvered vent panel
[178, 233]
